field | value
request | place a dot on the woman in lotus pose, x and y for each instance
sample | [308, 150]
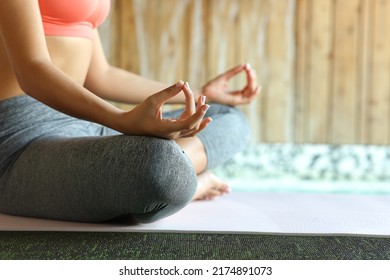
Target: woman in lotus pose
[66, 153]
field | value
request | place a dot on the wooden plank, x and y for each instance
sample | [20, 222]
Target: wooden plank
[318, 71]
[124, 50]
[251, 34]
[153, 30]
[197, 29]
[114, 55]
[180, 26]
[365, 69]
[169, 48]
[344, 110]
[378, 102]
[222, 40]
[278, 53]
[289, 69]
[210, 40]
[302, 26]
[140, 11]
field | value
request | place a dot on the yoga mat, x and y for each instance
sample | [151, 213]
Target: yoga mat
[250, 212]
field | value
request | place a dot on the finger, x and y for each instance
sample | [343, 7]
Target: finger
[248, 96]
[161, 97]
[232, 72]
[235, 97]
[255, 93]
[251, 80]
[189, 100]
[202, 126]
[193, 132]
[201, 101]
[190, 122]
[240, 97]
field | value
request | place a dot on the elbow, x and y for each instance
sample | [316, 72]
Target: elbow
[23, 82]
[31, 75]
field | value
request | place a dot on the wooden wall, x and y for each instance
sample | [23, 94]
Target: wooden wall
[324, 65]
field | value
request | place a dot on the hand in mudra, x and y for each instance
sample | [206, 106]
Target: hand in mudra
[217, 90]
[146, 119]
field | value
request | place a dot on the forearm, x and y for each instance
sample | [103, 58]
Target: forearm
[45, 82]
[112, 83]
[122, 86]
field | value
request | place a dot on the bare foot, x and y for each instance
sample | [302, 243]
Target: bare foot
[210, 186]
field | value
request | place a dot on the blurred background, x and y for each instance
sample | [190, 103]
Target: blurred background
[324, 66]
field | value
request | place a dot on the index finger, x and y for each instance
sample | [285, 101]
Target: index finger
[162, 96]
[234, 71]
[189, 100]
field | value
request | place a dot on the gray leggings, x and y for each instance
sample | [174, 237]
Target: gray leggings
[58, 167]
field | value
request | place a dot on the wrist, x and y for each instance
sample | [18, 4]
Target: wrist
[118, 120]
[128, 123]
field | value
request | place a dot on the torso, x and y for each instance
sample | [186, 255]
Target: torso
[71, 54]
[69, 45]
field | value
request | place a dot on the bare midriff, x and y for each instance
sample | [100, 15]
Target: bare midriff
[71, 54]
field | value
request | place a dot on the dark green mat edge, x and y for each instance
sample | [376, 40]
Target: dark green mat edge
[187, 246]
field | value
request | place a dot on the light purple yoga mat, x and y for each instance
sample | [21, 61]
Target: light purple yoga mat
[247, 212]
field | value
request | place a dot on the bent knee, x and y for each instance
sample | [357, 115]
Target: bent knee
[171, 185]
[172, 175]
[234, 118]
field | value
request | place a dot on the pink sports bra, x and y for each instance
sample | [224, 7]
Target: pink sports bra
[75, 18]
